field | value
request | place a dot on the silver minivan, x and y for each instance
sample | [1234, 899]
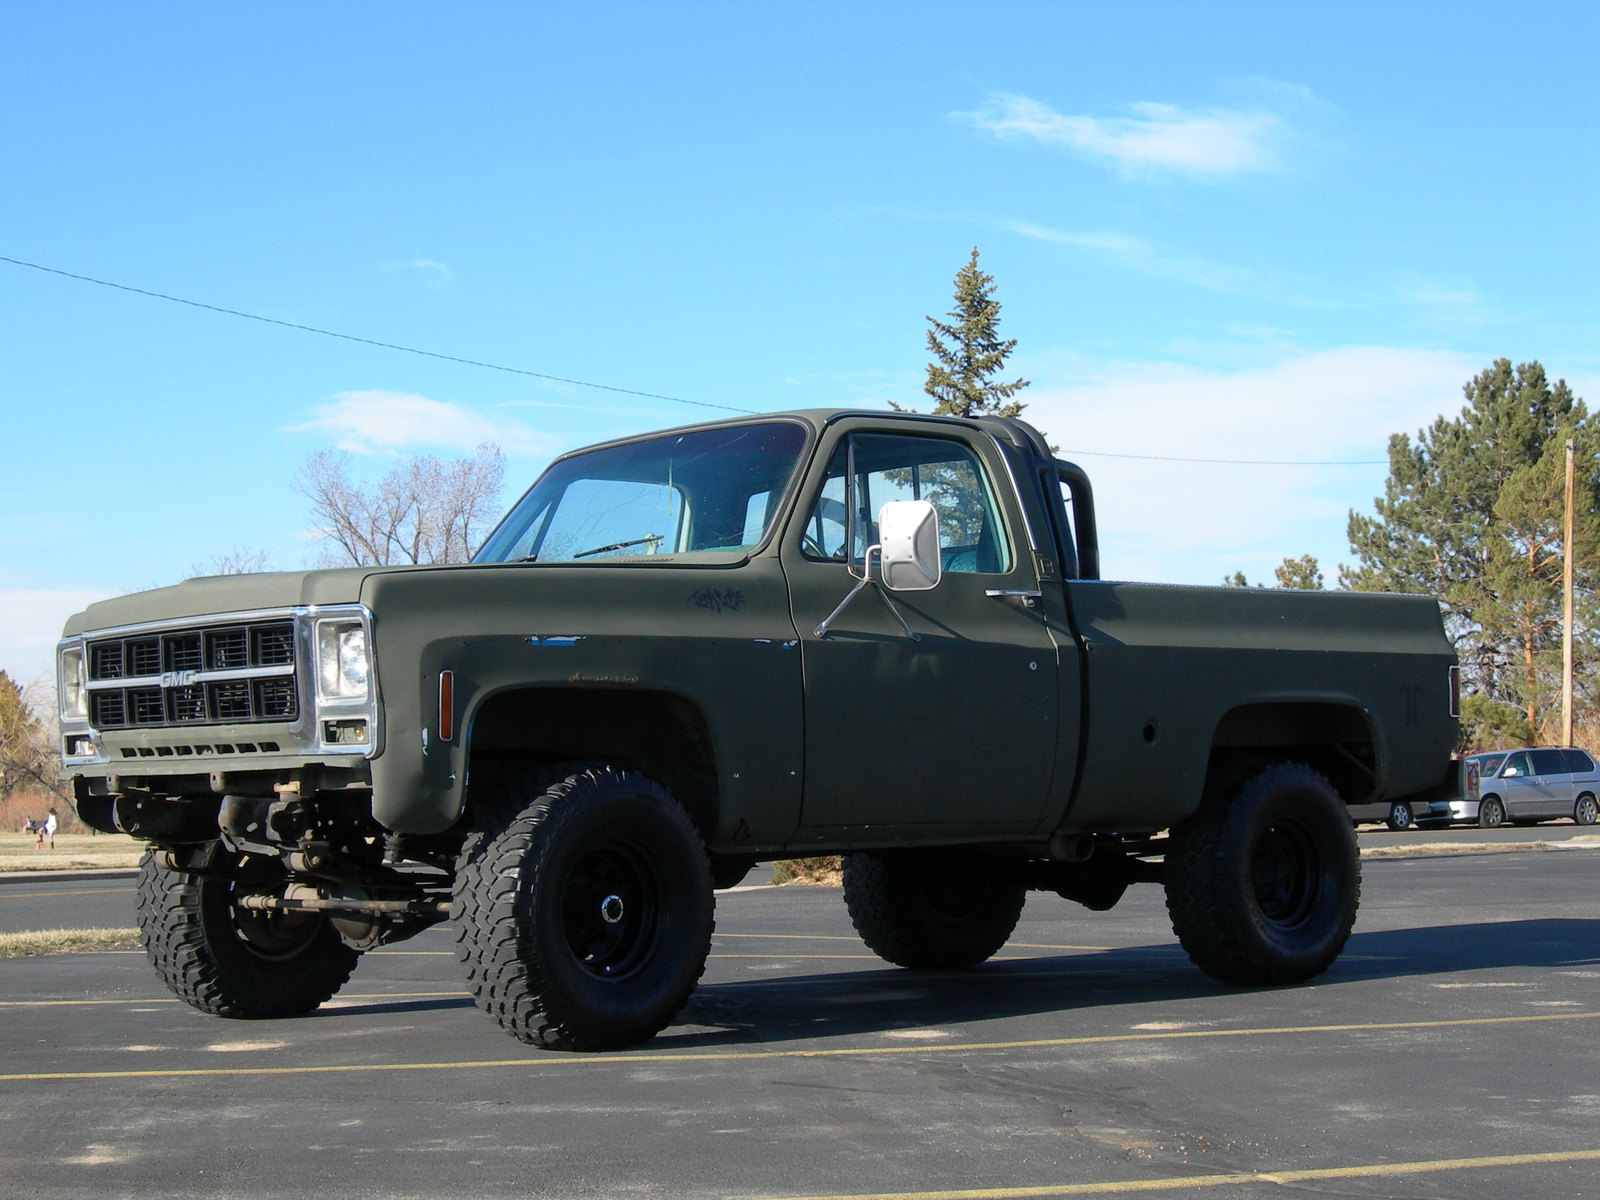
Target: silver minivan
[1526, 786]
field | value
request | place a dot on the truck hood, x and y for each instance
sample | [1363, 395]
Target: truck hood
[215, 595]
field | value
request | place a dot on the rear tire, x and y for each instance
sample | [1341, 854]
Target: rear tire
[584, 923]
[928, 909]
[1263, 883]
[1585, 811]
[1491, 813]
[232, 962]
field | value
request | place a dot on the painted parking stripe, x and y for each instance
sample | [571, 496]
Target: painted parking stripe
[837, 937]
[1310, 1174]
[627, 1059]
[132, 1000]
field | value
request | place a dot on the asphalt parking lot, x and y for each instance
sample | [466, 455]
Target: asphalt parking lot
[1450, 1052]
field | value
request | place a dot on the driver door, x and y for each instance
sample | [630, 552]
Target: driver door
[958, 726]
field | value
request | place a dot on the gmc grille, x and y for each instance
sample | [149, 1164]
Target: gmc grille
[215, 675]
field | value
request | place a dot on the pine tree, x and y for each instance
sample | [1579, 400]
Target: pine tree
[969, 352]
[1302, 574]
[1472, 512]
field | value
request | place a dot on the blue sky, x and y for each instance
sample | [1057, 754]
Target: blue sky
[1241, 231]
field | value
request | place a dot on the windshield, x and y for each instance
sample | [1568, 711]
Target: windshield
[710, 491]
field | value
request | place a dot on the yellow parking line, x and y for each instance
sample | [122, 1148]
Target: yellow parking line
[53, 895]
[130, 1001]
[627, 1059]
[1119, 1186]
[835, 937]
[872, 957]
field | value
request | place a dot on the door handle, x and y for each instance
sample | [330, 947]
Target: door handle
[1030, 599]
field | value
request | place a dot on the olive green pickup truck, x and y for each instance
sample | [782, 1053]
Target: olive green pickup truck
[874, 634]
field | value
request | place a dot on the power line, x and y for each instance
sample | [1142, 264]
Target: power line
[1237, 462]
[471, 362]
[606, 387]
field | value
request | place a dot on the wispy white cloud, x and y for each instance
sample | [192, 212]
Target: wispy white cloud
[1195, 522]
[436, 274]
[1142, 256]
[1208, 141]
[380, 422]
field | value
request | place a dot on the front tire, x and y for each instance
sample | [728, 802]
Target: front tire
[930, 910]
[584, 923]
[1263, 884]
[1491, 813]
[1400, 818]
[233, 962]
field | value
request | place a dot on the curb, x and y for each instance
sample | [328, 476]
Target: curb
[1455, 849]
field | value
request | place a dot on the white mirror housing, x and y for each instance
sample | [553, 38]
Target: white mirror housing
[908, 534]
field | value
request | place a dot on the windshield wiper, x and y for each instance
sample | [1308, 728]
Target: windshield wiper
[652, 538]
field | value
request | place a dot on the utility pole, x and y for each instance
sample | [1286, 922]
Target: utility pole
[1566, 608]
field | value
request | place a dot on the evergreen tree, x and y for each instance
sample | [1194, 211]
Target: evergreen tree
[1303, 574]
[1472, 513]
[969, 352]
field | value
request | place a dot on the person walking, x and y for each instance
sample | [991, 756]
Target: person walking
[50, 829]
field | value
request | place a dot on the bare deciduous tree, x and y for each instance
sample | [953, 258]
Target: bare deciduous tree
[426, 510]
[238, 561]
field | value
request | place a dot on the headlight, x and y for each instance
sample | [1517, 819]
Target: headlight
[69, 685]
[343, 669]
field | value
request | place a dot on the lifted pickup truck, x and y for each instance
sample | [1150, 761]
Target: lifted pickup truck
[882, 635]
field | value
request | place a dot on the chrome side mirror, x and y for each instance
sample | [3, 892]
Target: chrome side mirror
[908, 539]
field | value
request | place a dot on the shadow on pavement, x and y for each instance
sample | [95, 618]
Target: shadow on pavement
[888, 998]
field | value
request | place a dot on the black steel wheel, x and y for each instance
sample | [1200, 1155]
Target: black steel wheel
[1585, 811]
[235, 962]
[584, 920]
[1400, 817]
[1491, 813]
[930, 909]
[1263, 883]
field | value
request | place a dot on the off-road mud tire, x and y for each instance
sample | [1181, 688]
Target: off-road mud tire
[1263, 882]
[194, 936]
[930, 910]
[536, 958]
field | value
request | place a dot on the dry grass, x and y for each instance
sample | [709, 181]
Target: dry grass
[66, 941]
[827, 871]
[74, 851]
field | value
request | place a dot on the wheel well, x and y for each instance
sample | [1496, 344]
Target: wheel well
[659, 734]
[1335, 739]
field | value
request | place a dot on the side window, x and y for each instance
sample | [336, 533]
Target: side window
[944, 472]
[1578, 762]
[1516, 767]
[1549, 762]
